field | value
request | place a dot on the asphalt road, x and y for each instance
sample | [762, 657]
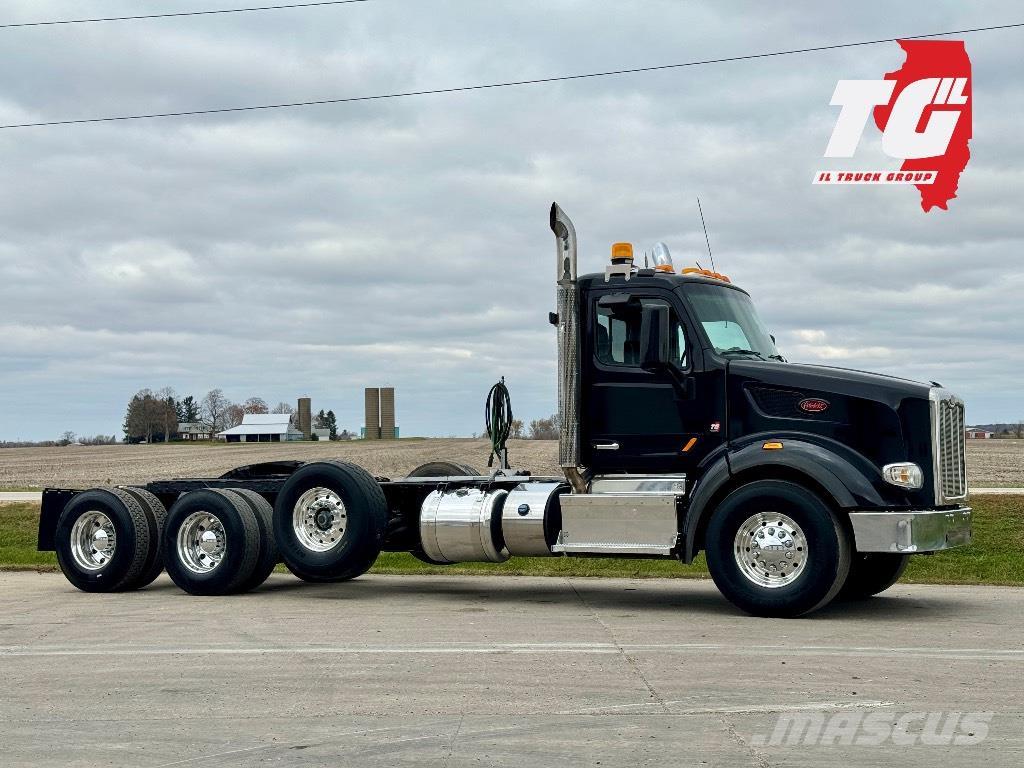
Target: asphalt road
[536, 672]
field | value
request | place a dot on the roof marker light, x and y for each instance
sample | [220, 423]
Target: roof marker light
[773, 445]
[622, 252]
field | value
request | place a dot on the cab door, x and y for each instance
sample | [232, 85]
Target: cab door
[641, 419]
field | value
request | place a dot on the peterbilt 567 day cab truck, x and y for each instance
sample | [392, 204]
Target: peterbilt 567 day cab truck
[682, 430]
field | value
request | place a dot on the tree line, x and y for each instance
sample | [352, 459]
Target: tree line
[154, 416]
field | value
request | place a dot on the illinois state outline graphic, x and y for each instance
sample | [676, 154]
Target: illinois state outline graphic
[935, 58]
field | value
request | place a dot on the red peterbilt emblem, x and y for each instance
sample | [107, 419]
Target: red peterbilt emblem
[813, 405]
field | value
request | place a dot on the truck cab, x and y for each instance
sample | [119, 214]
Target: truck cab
[679, 387]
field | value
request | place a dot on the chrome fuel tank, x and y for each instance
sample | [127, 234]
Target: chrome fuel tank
[463, 525]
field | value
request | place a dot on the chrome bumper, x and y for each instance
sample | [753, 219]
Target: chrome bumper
[911, 531]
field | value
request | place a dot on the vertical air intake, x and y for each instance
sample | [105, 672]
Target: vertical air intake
[568, 348]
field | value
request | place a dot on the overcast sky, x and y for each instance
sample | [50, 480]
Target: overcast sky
[315, 251]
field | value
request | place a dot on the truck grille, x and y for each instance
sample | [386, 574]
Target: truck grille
[950, 463]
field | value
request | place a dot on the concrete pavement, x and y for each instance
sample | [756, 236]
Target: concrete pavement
[35, 496]
[402, 670]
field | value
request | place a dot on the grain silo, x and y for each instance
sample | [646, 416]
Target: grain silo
[373, 413]
[387, 413]
[305, 418]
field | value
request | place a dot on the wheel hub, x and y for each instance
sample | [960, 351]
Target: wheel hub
[101, 540]
[93, 540]
[208, 542]
[201, 543]
[319, 519]
[770, 549]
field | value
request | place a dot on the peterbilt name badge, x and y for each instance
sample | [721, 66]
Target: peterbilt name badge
[813, 405]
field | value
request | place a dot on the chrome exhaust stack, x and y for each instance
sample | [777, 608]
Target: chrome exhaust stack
[567, 300]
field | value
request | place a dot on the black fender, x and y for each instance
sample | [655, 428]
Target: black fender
[848, 480]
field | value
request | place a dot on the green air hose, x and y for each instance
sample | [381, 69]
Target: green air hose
[498, 418]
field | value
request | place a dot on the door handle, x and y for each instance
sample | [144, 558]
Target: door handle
[606, 446]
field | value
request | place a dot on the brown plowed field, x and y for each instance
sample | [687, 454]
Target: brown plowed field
[990, 462]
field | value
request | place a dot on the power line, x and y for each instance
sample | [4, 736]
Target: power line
[506, 84]
[179, 13]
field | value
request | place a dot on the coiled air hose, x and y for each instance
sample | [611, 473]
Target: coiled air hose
[498, 418]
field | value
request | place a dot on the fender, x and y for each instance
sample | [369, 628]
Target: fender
[846, 479]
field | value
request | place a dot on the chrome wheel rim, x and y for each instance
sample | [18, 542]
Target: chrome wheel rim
[319, 519]
[93, 540]
[201, 542]
[770, 549]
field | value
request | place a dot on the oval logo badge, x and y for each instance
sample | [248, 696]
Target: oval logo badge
[813, 405]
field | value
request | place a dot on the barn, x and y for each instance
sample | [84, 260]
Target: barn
[262, 428]
[977, 433]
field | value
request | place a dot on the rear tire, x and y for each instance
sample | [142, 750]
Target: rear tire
[211, 543]
[768, 569]
[103, 540]
[443, 469]
[268, 556]
[872, 573]
[156, 514]
[329, 521]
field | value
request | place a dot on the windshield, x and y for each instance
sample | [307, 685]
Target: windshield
[730, 321]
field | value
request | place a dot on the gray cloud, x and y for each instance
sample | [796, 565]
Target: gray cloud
[319, 250]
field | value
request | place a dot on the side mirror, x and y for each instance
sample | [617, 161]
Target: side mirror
[654, 340]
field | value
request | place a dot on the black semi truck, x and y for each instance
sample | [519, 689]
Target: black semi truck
[682, 430]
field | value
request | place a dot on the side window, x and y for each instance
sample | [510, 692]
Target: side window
[617, 330]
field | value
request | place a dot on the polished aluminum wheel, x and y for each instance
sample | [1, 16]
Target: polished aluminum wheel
[770, 549]
[201, 542]
[93, 540]
[319, 519]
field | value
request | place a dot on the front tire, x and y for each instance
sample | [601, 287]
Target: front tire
[872, 573]
[329, 521]
[775, 548]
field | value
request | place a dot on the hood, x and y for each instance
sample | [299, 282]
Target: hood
[822, 379]
[877, 419]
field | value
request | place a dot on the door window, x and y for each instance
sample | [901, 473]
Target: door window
[617, 330]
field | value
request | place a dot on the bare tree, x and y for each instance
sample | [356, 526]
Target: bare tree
[67, 438]
[215, 407]
[255, 405]
[544, 429]
[518, 431]
[283, 408]
[233, 416]
[167, 412]
[1018, 430]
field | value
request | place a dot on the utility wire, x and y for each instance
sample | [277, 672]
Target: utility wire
[179, 14]
[506, 84]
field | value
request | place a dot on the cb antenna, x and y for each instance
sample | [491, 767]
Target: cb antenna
[706, 238]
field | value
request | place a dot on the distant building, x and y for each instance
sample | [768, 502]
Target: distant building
[262, 428]
[380, 414]
[194, 430]
[977, 433]
[322, 434]
[304, 418]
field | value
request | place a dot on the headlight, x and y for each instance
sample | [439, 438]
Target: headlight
[904, 474]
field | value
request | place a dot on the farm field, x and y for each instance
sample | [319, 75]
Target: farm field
[989, 462]
[84, 467]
